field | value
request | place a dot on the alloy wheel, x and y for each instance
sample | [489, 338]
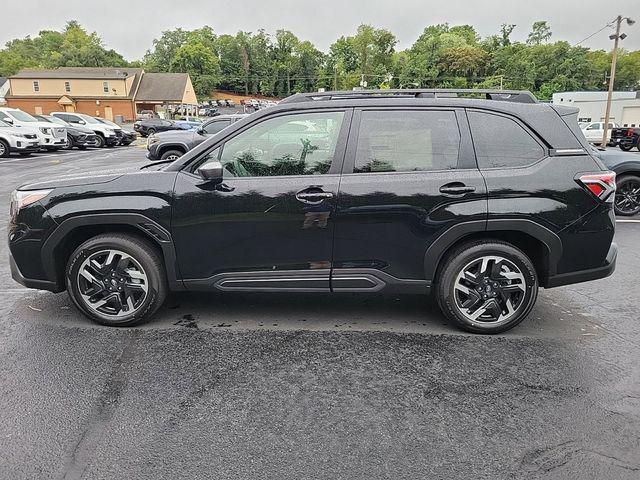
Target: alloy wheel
[490, 289]
[3, 149]
[627, 200]
[112, 283]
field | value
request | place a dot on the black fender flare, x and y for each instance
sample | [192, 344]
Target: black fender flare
[148, 228]
[437, 249]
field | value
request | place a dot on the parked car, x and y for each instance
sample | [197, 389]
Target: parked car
[229, 103]
[479, 201]
[105, 134]
[21, 140]
[627, 169]
[50, 137]
[626, 138]
[153, 125]
[125, 137]
[209, 112]
[77, 136]
[146, 115]
[594, 131]
[172, 145]
[221, 103]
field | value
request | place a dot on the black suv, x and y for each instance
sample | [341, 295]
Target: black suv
[478, 200]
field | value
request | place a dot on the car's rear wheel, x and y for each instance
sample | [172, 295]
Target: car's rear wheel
[116, 279]
[487, 286]
[171, 155]
[4, 149]
[627, 201]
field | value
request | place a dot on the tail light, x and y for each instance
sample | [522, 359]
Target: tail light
[630, 132]
[601, 185]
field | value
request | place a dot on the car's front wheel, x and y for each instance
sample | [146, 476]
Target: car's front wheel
[171, 155]
[116, 279]
[625, 147]
[487, 286]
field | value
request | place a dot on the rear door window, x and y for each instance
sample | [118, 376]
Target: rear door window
[214, 127]
[407, 141]
[501, 142]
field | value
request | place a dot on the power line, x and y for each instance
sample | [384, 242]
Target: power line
[594, 33]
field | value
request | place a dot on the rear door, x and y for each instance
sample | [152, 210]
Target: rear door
[409, 176]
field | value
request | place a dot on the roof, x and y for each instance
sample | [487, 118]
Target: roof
[3, 80]
[109, 73]
[167, 87]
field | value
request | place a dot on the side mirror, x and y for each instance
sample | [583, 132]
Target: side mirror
[200, 131]
[212, 172]
[9, 120]
[82, 122]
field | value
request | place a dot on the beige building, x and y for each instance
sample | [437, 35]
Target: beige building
[106, 92]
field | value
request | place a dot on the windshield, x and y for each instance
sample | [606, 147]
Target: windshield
[57, 120]
[89, 119]
[107, 122]
[21, 116]
[3, 124]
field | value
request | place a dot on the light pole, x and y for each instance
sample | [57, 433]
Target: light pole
[614, 59]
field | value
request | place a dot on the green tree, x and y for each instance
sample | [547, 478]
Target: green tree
[540, 33]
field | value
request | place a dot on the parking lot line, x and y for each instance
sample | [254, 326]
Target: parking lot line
[628, 221]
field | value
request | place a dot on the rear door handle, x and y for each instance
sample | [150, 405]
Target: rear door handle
[456, 189]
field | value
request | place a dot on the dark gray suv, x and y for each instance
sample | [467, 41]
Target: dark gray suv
[173, 144]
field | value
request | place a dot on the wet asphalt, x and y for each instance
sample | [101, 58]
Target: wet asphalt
[303, 386]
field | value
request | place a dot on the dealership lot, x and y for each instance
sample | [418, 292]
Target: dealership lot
[279, 386]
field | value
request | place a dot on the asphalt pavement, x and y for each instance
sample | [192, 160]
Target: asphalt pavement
[302, 386]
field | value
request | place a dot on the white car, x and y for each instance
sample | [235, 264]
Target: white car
[106, 134]
[51, 137]
[21, 140]
[594, 131]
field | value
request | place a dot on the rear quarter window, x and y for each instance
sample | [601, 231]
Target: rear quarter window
[501, 142]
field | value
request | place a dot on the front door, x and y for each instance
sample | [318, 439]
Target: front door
[108, 113]
[269, 225]
[409, 175]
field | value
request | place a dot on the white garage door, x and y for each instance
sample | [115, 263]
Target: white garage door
[631, 116]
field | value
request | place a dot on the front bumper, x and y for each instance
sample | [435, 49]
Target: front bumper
[587, 275]
[110, 141]
[25, 145]
[30, 282]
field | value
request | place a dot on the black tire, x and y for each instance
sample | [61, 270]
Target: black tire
[625, 147]
[171, 153]
[4, 149]
[454, 265]
[138, 249]
[150, 131]
[627, 200]
[69, 145]
[100, 142]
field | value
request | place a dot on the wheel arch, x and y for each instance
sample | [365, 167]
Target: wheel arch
[540, 244]
[74, 231]
[163, 148]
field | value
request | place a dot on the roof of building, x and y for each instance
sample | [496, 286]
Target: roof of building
[109, 73]
[3, 80]
[167, 87]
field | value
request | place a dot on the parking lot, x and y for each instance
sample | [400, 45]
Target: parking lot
[280, 386]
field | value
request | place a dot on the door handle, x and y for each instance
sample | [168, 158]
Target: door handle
[313, 198]
[456, 188]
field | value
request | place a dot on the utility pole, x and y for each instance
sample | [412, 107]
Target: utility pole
[614, 59]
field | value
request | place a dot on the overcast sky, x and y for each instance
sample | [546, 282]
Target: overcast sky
[129, 26]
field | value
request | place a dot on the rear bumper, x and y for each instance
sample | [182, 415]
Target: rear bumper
[587, 275]
[30, 282]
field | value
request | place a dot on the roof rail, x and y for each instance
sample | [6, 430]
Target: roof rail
[517, 96]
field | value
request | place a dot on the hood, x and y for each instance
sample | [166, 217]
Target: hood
[613, 158]
[18, 129]
[87, 178]
[183, 136]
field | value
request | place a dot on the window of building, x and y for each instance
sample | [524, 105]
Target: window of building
[407, 141]
[502, 142]
[297, 144]
[67, 87]
[36, 86]
[105, 87]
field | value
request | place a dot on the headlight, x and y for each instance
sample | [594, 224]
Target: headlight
[19, 135]
[45, 130]
[22, 198]
[151, 140]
